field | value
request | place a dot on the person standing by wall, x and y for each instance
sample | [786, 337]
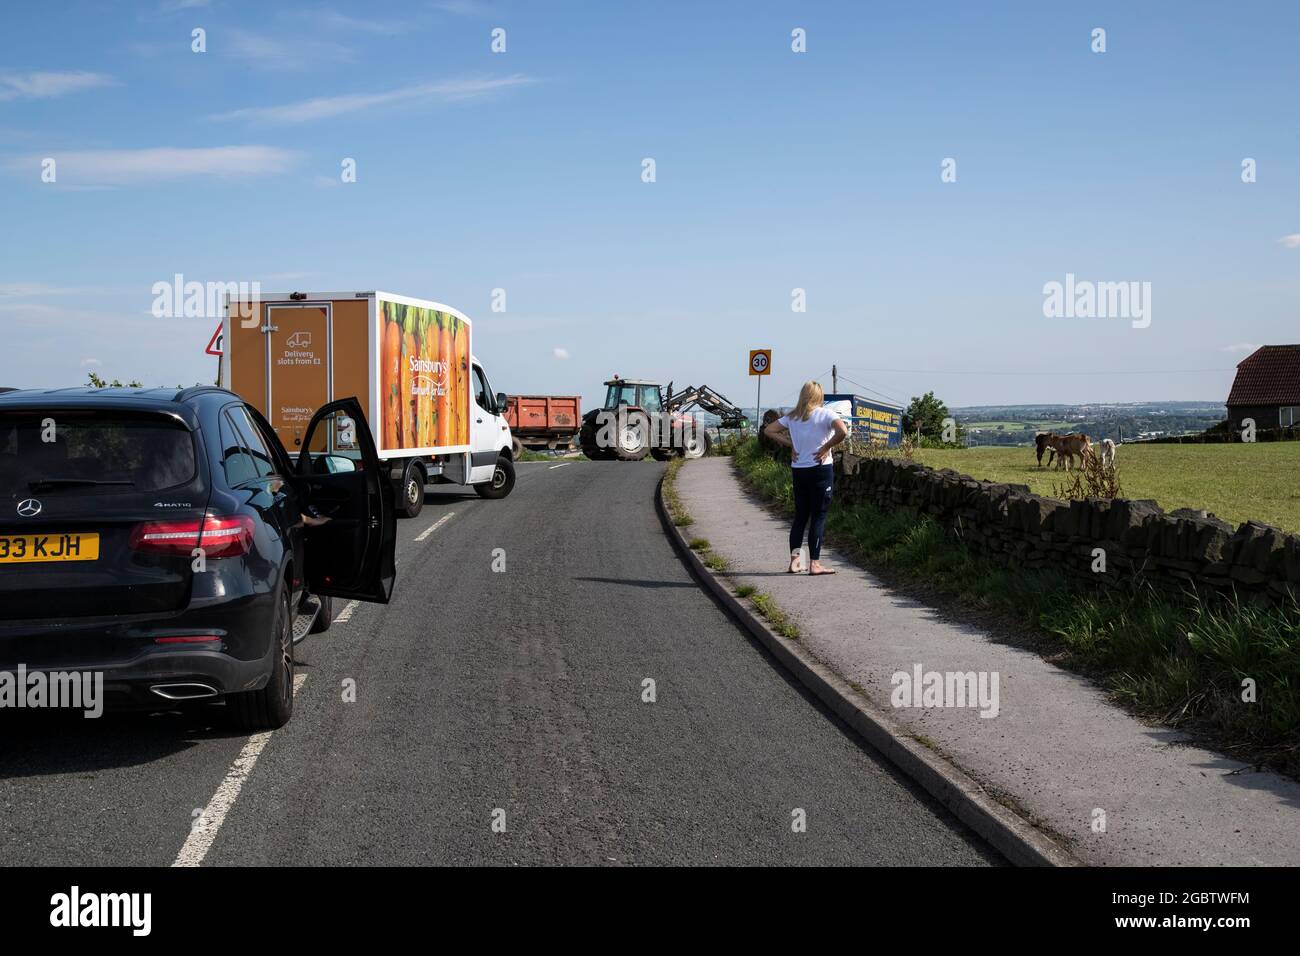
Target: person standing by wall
[810, 431]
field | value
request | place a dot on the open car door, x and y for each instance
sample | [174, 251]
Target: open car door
[341, 478]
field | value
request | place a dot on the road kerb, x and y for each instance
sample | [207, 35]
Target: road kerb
[1009, 833]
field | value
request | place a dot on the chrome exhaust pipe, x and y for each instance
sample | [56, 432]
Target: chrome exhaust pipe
[184, 691]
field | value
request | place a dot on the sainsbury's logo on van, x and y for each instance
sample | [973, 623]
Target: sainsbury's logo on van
[427, 365]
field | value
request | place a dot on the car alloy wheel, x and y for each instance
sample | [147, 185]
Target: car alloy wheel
[286, 655]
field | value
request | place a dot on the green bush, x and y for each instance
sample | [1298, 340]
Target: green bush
[726, 445]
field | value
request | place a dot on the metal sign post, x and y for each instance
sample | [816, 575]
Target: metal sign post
[760, 364]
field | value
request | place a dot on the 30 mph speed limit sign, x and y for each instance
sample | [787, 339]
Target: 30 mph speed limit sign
[760, 362]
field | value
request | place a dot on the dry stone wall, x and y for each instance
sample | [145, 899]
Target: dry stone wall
[1019, 529]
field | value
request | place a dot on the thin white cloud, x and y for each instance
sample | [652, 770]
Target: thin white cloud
[462, 8]
[24, 290]
[1291, 241]
[295, 53]
[341, 21]
[29, 309]
[1239, 347]
[560, 353]
[122, 166]
[30, 290]
[49, 84]
[327, 107]
[90, 361]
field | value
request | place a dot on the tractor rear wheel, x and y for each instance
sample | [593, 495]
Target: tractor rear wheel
[587, 442]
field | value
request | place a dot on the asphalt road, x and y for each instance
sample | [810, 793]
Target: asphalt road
[511, 696]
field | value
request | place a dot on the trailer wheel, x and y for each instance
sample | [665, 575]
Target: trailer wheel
[503, 480]
[517, 447]
[410, 493]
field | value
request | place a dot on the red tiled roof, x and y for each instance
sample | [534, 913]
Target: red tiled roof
[1268, 376]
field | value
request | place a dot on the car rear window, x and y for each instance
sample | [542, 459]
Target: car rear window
[122, 452]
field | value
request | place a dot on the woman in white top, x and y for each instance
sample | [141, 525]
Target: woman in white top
[810, 431]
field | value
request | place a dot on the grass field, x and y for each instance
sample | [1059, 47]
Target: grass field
[1236, 482]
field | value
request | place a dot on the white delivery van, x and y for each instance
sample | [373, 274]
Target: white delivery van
[408, 361]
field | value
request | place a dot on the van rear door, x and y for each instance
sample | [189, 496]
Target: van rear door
[298, 368]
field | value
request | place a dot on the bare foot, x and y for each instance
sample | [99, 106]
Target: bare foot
[795, 557]
[815, 567]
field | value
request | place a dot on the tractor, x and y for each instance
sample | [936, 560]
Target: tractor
[641, 417]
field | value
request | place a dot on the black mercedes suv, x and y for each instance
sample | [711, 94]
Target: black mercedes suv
[165, 539]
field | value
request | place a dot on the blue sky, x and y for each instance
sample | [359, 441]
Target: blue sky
[775, 170]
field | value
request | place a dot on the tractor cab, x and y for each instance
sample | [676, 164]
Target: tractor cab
[633, 393]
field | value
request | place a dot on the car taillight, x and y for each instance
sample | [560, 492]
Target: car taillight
[220, 536]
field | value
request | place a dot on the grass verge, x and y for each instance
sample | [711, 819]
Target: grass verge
[763, 603]
[671, 500]
[1228, 672]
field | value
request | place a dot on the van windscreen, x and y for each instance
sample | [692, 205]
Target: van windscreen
[93, 451]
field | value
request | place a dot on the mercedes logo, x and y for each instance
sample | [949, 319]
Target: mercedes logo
[29, 508]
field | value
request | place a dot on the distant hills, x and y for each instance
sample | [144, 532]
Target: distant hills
[1016, 424]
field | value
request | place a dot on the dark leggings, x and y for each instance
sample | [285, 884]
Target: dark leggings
[812, 496]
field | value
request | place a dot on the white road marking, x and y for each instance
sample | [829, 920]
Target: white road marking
[435, 526]
[204, 831]
[345, 615]
[560, 465]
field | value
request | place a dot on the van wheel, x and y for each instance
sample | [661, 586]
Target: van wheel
[503, 480]
[410, 493]
[272, 706]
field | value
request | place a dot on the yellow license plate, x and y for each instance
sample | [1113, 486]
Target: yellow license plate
[35, 548]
